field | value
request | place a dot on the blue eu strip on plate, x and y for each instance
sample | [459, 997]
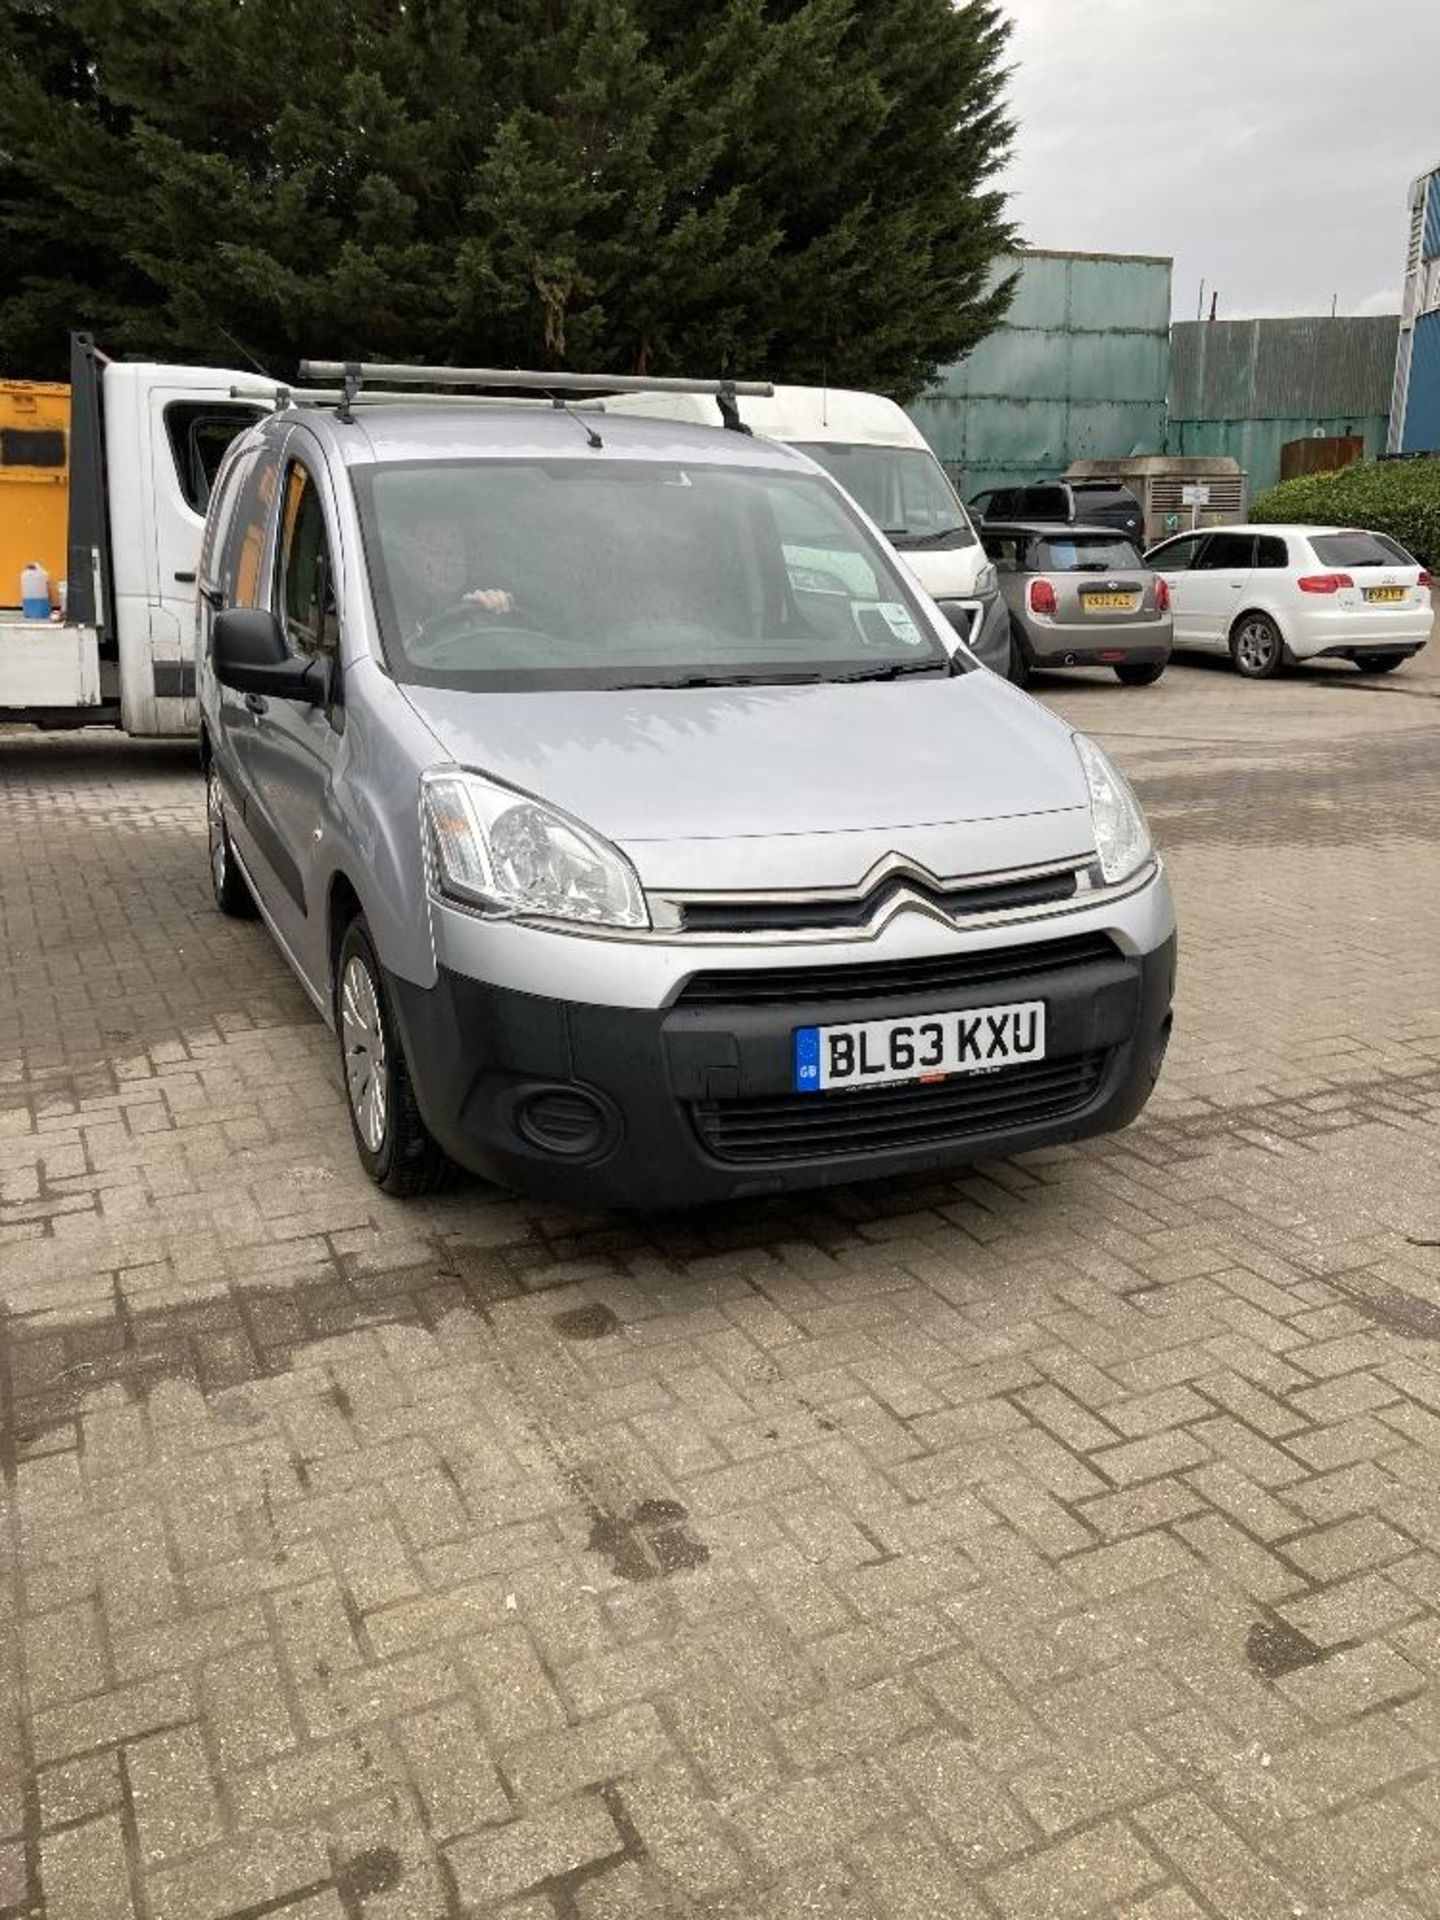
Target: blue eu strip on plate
[807, 1060]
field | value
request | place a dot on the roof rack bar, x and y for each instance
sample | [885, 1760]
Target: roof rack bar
[283, 396]
[512, 378]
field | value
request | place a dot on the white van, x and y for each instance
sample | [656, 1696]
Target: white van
[881, 458]
[144, 444]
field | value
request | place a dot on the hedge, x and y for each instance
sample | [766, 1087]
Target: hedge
[1398, 497]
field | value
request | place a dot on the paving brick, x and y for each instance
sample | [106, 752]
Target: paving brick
[448, 1761]
[550, 1765]
[911, 1876]
[814, 1816]
[175, 1805]
[245, 1706]
[1089, 1874]
[507, 1860]
[123, 1714]
[1352, 1681]
[1215, 1861]
[1349, 1548]
[515, 1693]
[266, 1866]
[1147, 1459]
[83, 1872]
[1084, 1785]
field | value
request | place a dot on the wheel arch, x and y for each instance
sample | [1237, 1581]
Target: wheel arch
[342, 905]
[1248, 611]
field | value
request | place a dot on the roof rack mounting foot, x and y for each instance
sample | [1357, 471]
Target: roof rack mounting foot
[729, 411]
[353, 375]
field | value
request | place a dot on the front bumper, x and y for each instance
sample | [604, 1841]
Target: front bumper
[986, 629]
[675, 1105]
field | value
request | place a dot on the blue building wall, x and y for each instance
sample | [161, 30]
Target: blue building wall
[1422, 410]
[1415, 412]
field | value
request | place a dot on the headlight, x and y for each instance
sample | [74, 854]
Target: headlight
[1122, 838]
[513, 856]
[987, 581]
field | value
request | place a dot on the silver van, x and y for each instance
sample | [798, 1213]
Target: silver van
[643, 832]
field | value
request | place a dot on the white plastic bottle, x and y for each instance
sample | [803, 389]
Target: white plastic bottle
[35, 592]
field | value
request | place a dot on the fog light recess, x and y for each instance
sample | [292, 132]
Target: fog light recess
[565, 1121]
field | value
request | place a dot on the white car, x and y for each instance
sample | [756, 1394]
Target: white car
[1269, 595]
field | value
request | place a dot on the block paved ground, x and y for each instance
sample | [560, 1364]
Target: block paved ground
[1059, 1538]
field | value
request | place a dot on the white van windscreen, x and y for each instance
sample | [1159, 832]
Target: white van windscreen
[903, 489]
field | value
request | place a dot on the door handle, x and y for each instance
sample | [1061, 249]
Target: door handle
[186, 579]
[257, 703]
[1237, 583]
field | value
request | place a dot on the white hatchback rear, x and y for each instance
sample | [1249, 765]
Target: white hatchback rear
[1271, 594]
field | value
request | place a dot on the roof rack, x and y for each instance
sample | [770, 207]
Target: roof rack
[353, 375]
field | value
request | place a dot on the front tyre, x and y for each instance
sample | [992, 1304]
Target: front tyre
[1256, 647]
[227, 883]
[391, 1138]
[1018, 671]
[1135, 675]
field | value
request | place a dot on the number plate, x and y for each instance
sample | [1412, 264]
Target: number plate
[928, 1046]
[1109, 602]
[1385, 595]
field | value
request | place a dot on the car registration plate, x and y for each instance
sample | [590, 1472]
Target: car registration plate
[926, 1046]
[1384, 595]
[1109, 602]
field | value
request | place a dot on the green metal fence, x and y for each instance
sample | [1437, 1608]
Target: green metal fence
[1245, 387]
[1078, 371]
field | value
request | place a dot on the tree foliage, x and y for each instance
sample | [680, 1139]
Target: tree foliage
[1398, 497]
[796, 188]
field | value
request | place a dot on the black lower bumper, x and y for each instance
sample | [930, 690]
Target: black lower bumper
[1109, 653]
[653, 1108]
[1374, 649]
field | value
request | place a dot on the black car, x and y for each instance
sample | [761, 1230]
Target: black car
[1063, 503]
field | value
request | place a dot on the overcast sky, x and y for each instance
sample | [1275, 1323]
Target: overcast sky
[1266, 144]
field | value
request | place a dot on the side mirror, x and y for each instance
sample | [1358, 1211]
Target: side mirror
[250, 655]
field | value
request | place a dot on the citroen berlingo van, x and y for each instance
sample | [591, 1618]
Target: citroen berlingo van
[642, 830]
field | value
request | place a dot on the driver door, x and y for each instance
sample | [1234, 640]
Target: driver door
[295, 747]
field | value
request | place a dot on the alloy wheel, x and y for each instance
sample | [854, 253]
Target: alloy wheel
[1255, 645]
[215, 826]
[362, 1036]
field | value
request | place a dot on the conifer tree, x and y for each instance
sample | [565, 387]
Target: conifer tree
[799, 189]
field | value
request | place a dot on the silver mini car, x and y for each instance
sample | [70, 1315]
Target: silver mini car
[642, 831]
[1080, 597]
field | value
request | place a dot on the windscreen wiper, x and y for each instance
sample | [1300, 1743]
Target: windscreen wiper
[893, 670]
[725, 680]
[929, 539]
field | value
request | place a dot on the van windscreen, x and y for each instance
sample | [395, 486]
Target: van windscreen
[610, 573]
[903, 489]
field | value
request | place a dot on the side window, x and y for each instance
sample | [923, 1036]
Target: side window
[240, 574]
[200, 433]
[1228, 550]
[1271, 551]
[1004, 550]
[1176, 556]
[306, 598]
[221, 513]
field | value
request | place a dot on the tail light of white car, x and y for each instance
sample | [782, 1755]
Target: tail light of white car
[1323, 582]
